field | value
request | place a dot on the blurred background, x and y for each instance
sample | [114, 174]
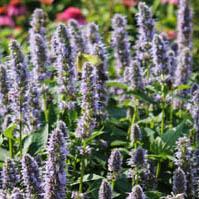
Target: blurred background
[15, 16]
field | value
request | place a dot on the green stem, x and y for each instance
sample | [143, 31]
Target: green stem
[20, 128]
[113, 184]
[82, 167]
[135, 117]
[162, 122]
[163, 108]
[158, 169]
[11, 147]
[171, 117]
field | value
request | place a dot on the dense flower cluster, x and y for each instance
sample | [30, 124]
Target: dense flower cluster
[60, 95]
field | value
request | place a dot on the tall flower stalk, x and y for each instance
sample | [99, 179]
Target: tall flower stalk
[120, 44]
[86, 122]
[96, 47]
[137, 193]
[10, 176]
[65, 68]
[18, 92]
[160, 60]
[31, 177]
[114, 166]
[105, 191]
[77, 40]
[184, 25]
[55, 177]
[146, 31]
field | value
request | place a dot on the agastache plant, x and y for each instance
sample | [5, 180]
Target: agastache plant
[96, 47]
[114, 166]
[86, 122]
[76, 37]
[195, 111]
[139, 171]
[184, 26]
[137, 193]
[146, 31]
[38, 22]
[105, 191]
[19, 77]
[183, 160]
[4, 88]
[65, 68]
[195, 173]
[55, 176]
[31, 177]
[38, 57]
[184, 67]
[172, 65]
[34, 106]
[120, 44]
[17, 194]
[10, 176]
[159, 53]
[135, 134]
[179, 182]
[134, 75]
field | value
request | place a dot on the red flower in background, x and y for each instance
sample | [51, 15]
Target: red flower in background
[171, 34]
[3, 10]
[130, 3]
[71, 13]
[46, 2]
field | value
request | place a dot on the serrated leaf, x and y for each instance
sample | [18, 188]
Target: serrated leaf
[35, 141]
[171, 136]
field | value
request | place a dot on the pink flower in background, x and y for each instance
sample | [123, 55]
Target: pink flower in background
[15, 8]
[71, 13]
[130, 3]
[6, 21]
[174, 2]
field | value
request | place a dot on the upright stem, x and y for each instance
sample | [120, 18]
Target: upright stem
[20, 126]
[82, 168]
[11, 148]
[113, 184]
[163, 108]
[135, 116]
[158, 169]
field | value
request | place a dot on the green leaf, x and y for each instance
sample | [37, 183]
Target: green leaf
[89, 177]
[142, 95]
[35, 141]
[118, 143]
[182, 87]
[159, 148]
[93, 136]
[4, 154]
[153, 194]
[83, 58]
[172, 135]
[150, 133]
[9, 131]
[117, 85]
